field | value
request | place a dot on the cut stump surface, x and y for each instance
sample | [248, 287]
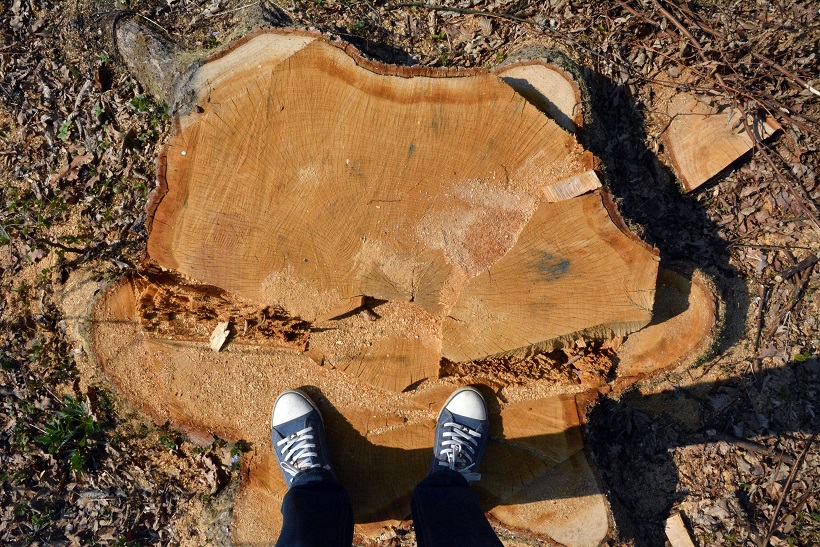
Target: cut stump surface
[359, 226]
[321, 179]
[373, 433]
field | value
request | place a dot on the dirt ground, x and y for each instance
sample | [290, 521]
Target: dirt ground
[729, 443]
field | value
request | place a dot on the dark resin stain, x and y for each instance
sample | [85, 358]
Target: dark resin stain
[553, 268]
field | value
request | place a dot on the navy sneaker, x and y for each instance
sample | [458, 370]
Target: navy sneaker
[298, 435]
[461, 434]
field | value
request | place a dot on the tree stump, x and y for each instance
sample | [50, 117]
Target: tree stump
[384, 235]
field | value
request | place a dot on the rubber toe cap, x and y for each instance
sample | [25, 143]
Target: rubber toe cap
[468, 403]
[289, 406]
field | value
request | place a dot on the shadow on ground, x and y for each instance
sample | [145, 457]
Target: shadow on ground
[631, 439]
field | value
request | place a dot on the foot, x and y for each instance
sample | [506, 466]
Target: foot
[298, 435]
[461, 434]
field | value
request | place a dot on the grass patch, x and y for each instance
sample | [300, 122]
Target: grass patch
[74, 433]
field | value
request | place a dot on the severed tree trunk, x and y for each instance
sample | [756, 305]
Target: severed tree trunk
[367, 230]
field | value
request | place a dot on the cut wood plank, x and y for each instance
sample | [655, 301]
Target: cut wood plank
[702, 138]
[682, 330]
[550, 289]
[677, 533]
[572, 187]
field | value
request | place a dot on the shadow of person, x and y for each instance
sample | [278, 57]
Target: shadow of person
[381, 468]
[632, 439]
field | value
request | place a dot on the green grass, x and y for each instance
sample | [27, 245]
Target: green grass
[72, 433]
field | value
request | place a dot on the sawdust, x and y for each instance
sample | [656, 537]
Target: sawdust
[230, 394]
[482, 223]
[298, 296]
[398, 345]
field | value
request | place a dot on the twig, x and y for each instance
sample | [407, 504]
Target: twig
[776, 105]
[759, 323]
[785, 72]
[60, 246]
[787, 488]
[689, 36]
[221, 13]
[706, 28]
[637, 14]
[287, 11]
[795, 298]
[770, 104]
[154, 23]
[807, 262]
[759, 146]
[463, 11]
[756, 448]
[769, 247]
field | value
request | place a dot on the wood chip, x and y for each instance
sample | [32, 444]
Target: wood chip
[220, 335]
[676, 532]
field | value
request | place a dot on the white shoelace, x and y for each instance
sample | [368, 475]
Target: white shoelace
[296, 452]
[459, 449]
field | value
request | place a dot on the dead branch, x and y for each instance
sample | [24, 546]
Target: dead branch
[807, 262]
[759, 326]
[787, 488]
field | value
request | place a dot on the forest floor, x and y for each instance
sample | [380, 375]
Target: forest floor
[729, 443]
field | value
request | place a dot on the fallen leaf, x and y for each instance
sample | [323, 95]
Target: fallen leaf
[71, 171]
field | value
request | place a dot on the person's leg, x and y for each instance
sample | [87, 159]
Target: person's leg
[445, 511]
[316, 510]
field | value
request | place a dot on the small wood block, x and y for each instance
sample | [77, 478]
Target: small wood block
[703, 139]
[685, 313]
[677, 533]
[572, 187]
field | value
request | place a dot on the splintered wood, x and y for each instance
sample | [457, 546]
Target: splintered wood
[356, 226]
